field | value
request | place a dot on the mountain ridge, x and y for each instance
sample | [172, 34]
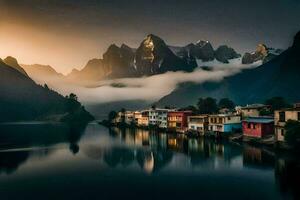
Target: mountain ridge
[278, 77]
[22, 99]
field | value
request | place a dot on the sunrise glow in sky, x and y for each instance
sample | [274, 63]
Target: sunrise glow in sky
[66, 34]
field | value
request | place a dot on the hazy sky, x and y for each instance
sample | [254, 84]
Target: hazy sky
[67, 33]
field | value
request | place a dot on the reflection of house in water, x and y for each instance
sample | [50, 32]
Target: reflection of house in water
[153, 161]
[149, 161]
[257, 158]
[147, 148]
[116, 156]
[201, 150]
[177, 143]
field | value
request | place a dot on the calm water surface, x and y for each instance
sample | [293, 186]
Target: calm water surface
[53, 161]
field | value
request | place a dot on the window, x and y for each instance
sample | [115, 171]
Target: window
[229, 118]
[254, 126]
[282, 132]
[249, 125]
[281, 116]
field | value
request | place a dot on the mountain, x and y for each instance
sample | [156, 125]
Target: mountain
[22, 99]
[262, 52]
[42, 73]
[93, 71]
[225, 53]
[119, 61]
[204, 51]
[154, 57]
[11, 61]
[278, 77]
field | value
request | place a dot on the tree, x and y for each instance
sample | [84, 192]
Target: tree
[265, 112]
[72, 103]
[226, 103]
[191, 108]
[207, 105]
[46, 86]
[73, 96]
[292, 135]
[123, 110]
[277, 103]
[112, 115]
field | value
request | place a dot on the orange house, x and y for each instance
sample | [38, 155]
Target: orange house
[178, 120]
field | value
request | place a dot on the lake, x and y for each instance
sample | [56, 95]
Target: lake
[54, 161]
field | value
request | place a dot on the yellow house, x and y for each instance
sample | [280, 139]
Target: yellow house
[281, 117]
[142, 118]
[251, 110]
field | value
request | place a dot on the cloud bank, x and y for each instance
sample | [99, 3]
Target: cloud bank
[151, 88]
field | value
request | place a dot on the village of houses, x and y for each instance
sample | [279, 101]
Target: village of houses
[245, 122]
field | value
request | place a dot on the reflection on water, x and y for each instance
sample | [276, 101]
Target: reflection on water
[85, 160]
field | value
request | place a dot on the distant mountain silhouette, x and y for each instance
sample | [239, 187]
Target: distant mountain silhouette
[153, 56]
[93, 71]
[11, 61]
[22, 99]
[43, 73]
[278, 77]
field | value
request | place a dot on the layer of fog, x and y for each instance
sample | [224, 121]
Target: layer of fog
[150, 88]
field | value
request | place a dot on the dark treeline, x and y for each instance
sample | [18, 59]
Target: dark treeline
[22, 99]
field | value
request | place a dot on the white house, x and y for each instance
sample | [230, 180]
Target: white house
[158, 117]
[224, 123]
[198, 123]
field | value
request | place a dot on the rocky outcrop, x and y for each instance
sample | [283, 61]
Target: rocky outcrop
[119, 61]
[202, 50]
[206, 51]
[154, 57]
[225, 53]
[262, 53]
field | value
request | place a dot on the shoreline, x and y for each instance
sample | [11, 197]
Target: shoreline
[238, 138]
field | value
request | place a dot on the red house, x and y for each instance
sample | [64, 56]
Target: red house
[177, 120]
[258, 127]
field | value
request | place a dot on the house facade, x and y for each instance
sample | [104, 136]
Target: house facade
[143, 118]
[198, 123]
[129, 117]
[258, 127]
[178, 120]
[281, 117]
[251, 110]
[159, 117]
[120, 118]
[223, 123]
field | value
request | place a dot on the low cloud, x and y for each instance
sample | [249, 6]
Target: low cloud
[151, 88]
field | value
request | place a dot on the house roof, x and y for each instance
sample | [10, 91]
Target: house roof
[262, 120]
[254, 106]
[224, 115]
[288, 109]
